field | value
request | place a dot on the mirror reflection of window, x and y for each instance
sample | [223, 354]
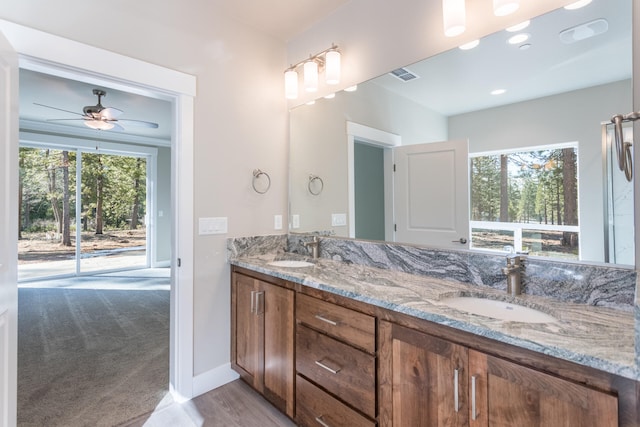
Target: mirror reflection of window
[526, 201]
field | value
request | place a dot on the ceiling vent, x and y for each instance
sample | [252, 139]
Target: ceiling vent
[404, 74]
[584, 31]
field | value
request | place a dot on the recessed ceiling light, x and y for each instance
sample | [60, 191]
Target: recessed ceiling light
[519, 27]
[498, 91]
[330, 96]
[351, 88]
[577, 5]
[518, 38]
[469, 45]
[311, 102]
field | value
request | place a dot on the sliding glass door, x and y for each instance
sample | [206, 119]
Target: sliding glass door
[82, 211]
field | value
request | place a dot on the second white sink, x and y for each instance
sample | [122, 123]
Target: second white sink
[291, 263]
[495, 309]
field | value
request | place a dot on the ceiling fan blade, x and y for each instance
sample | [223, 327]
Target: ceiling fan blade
[110, 113]
[62, 120]
[117, 126]
[140, 123]
[59, 109]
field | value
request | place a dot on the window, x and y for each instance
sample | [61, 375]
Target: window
[526, 201]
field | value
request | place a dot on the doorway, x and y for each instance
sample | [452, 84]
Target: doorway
[92, 65]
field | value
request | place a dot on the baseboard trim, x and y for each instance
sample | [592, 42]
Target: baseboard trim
[212, 379]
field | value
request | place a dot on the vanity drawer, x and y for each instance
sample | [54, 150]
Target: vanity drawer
[315, 408]
[346, 372]
[348, 325]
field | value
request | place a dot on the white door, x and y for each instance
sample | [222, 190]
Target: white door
[431, 187]
[8, 232]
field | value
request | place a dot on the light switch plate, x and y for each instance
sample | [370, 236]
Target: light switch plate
[295, 221]
[217, 225]
[277, 222]
[338, 220]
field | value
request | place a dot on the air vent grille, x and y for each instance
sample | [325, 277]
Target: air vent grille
[404, 74]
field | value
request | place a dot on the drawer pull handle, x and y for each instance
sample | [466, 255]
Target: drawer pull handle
[473, 398]
[321, 421]
[456, 403]
[328, 368]
[324, 319]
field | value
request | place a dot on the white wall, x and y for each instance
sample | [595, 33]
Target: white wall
[571, 117]
[240, 122]
[318, 142]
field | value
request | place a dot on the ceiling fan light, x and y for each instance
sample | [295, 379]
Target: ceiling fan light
[332, 67]
[453, 17]
[291, 84]
[98, 124]
[311, 76]
[505, 7]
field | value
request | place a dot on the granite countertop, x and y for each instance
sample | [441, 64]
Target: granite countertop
[602, 338]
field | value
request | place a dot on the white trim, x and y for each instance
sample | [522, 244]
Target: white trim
[89, 64]
[542, 147]
[379, 138]
[213, 378]
[495, 225]
[91, 134]
[36, 140]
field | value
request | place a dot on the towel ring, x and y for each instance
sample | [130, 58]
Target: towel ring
[257, 173]
[310, 185]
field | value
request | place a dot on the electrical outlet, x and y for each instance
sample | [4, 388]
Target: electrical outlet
[338, 220]
[216, 225]
[277, 222]
[295, 221]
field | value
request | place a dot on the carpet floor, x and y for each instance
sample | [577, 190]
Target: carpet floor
[91, 357]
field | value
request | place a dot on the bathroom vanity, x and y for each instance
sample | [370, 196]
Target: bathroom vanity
[342, 344]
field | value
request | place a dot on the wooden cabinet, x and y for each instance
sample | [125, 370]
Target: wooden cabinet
[423, 379]
[336, 365]
[429, 381]
[262, 338]
[508, 394]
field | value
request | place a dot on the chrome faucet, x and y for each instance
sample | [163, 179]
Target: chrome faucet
[314, 244]
[513, 270]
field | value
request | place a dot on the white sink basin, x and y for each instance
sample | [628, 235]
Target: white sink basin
[291, 263]
[501, 310]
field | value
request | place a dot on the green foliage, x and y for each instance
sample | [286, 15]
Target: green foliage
[535, 186]
[40, 167]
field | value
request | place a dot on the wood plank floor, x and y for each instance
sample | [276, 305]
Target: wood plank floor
[232, 405]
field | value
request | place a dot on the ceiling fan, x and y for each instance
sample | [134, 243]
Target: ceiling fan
[102, 118]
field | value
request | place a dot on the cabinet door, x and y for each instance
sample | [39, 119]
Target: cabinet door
[508, 395]
[248, 332]
[423, 379]
[279, 371]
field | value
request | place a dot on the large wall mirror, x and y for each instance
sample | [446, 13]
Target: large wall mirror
[540, 171]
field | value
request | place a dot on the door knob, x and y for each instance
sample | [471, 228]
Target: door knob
[462, 241]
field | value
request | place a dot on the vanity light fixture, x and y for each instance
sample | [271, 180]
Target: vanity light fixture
[454, 17]
[505, 7]
[577, 5]
[327, 60]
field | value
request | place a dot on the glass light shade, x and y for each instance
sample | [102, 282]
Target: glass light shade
[454, 17]
[505, 7]
[577, 5]
[291, 84]
[332, 67]
[98, 124]
[311, 76]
